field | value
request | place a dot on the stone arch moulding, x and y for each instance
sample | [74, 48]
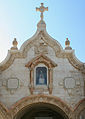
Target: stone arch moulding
[4, 113]
[79, 108]
[24, 103]
[49, 63]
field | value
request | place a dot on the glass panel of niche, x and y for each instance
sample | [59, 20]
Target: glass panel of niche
[41, 76]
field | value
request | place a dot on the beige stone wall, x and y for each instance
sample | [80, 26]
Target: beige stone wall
[64, 70]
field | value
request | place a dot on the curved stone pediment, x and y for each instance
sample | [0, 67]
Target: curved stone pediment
[39, 37]
[41, 59]
[40, 41]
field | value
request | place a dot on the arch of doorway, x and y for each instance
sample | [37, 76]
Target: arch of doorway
[79, 108]
[30, 101]
[41, 110]
[4, 113]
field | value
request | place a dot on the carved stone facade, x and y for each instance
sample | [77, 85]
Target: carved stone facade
[64, 74]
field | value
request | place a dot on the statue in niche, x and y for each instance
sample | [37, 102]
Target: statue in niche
[41, 76]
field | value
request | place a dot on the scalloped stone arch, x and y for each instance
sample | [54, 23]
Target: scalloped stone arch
[34, 99]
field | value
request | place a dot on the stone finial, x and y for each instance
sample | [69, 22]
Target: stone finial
[15, 43]
[67, 44]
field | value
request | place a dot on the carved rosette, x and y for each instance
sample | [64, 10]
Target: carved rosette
[46, 61]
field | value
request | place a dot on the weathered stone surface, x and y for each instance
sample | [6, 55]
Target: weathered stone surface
[12, 83]
[69, 83]
[0, 83]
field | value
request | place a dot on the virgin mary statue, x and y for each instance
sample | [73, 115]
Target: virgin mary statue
[41, 78]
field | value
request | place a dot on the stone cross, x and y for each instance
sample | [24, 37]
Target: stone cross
[42, 9]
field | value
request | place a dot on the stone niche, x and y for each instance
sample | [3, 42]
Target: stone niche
[41, 61]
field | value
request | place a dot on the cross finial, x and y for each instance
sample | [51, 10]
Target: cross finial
[42, 9]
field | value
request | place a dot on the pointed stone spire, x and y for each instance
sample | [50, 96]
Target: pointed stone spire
[67, 44]
[41, 25]
[15, 43]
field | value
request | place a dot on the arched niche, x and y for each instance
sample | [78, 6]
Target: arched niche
[47, 63]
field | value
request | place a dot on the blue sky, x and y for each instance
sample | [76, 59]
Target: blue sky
[65, 18]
